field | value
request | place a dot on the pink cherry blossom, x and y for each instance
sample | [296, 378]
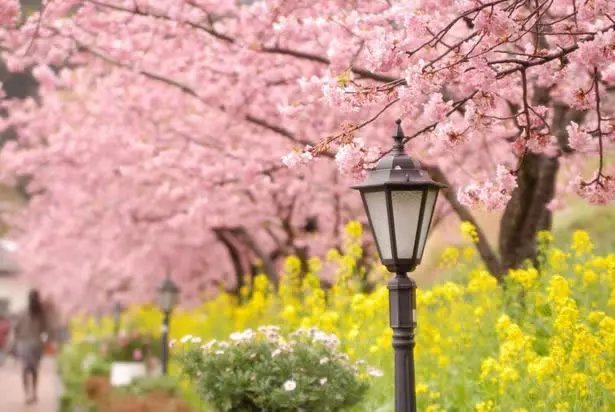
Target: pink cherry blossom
[199, 137]
[491, 195]
[9, 12]
[578, 139]
[137, 355]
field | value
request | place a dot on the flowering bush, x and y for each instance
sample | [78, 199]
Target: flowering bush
[264, 371]
[131, 346]
[544, 343]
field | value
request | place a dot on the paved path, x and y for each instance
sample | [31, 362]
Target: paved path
[11, 392]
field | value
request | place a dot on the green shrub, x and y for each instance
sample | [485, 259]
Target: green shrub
[263, 371]
[76, 363]
[167, 385]
[130, 347]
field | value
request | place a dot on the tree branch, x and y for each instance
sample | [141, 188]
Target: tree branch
[485, 250]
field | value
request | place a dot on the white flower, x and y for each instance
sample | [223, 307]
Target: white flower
[209, 345]
[272, 336]
[246, 335]
[324, 360]
[323, 381]
[186, 338]
[276, 352]
[196, 340]
[374, 372]
[290, 385]
[298, 332]
[219, 352]
[88, 361]
[343, 356]
[268, 329]
[328, 339]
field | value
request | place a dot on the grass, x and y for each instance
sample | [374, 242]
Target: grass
[596, 220]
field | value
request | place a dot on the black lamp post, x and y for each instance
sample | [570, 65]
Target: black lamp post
[168, 294]
[399, 198]
[117, 317]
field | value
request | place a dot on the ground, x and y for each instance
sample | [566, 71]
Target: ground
[11, 393]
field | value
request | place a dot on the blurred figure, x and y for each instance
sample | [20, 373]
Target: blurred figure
[30, 337]
[5, 331]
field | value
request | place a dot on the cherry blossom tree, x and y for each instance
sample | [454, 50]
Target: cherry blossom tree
[170, 134]
[9, 12]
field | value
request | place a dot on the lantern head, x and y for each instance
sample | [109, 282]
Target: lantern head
[399, 198]
[168, 295]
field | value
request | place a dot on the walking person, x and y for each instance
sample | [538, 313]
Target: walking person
[30, 334]
[5, 331]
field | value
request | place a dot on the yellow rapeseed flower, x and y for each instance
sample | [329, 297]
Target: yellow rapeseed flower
[261, 282]
[485, 406]
[562, 407]
[449, 257]
[595, 316]
[481, 281]
[581, 243]
[488, 369]
[525, 277]
[333, 255]
[589, 277]
[354, 229]
[468, 253]
[508, 374]
[421, 388]
[558, 289]
[544, 236]
[558, 260]
[469, 231]
[578, 382]
[566, 316]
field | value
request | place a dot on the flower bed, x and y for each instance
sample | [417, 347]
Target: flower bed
[544, 343]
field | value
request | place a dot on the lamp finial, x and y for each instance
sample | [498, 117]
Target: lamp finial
[399, 137]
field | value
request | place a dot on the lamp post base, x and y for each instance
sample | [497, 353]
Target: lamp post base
[402, 304]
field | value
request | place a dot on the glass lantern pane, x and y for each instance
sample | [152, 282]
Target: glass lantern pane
[377, 209]
[166, 300]
[406, 209]
[429, 205]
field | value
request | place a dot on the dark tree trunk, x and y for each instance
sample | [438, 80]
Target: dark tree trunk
[526, 212]
[234, 255]
[267, 264]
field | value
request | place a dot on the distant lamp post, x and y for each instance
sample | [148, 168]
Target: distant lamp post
[168, 295]
[399, 198]
[117, 317]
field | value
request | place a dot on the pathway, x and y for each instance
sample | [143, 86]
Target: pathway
[11, 393]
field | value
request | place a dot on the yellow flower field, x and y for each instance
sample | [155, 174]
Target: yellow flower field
[545, 341]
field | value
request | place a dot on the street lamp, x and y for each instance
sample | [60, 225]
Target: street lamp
[117, 317]
[399, 198]
[168, 294]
